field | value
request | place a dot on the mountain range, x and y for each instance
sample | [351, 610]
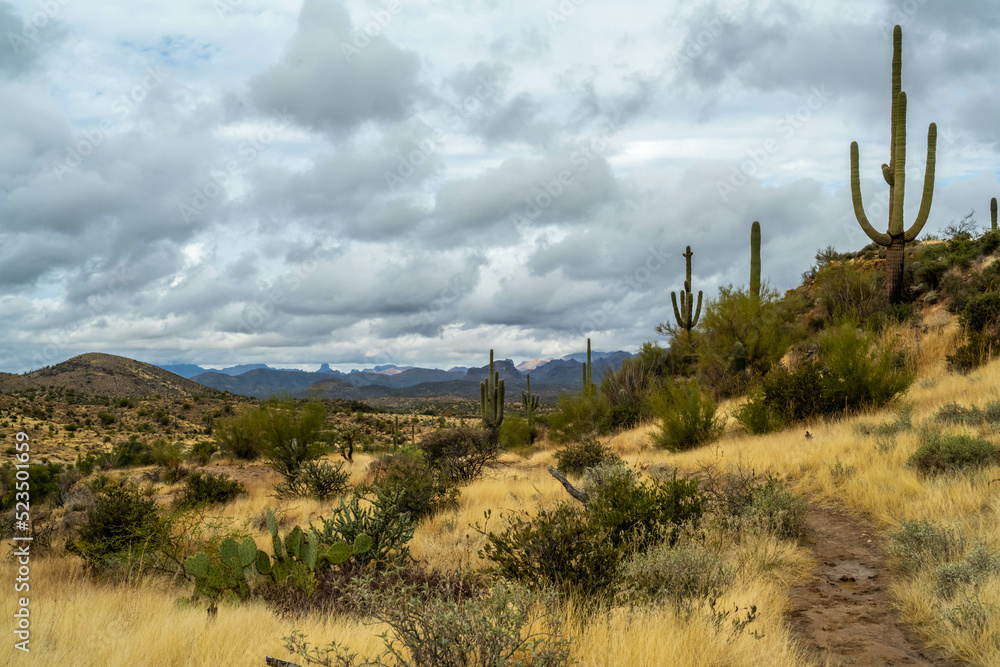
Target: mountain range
[549, 377]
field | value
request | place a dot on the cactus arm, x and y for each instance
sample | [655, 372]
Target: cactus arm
[754, 263]
[993, 212]
[859, 209]
[888, 175]
[896, 222]
[928, 195]
[697, 316]
[677, 313]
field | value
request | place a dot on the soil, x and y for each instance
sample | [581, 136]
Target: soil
[843, 612]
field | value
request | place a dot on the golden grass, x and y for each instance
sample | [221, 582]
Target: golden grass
[77, 620]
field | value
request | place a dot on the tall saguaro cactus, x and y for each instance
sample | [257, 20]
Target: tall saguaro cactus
[491, 395]
[993, 212]
[684, 318]
[896, 238]
[755, 262]
[530, 402]
[589, 388]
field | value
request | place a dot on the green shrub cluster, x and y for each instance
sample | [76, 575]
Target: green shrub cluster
[420, 490]
[375, 515]
[576, 457]
[855, 371]
[941, 453]
[507, 627]
[461, 453]
[201, 488]
[920, 543]
[688, 417]
[314, 479]
[579, 551]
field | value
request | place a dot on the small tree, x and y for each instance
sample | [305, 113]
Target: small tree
[289, 436]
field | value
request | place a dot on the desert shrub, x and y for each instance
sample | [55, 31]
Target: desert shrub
[978, 349]
[797, 395]
[516, 433]
[627, 387]
[919, 543]
[981, 312]
[861, 371]
[757, 417]
[849, 291]
[680, 573]
[576, 457]
[635, 513]
[976, 567]
[43, 482]
[389, 529]
[775, 509]
[238, 438]
[740, 339]
[123, 528]
[169, 456]
[578, 415]
[127, 453]
[461, 452]
[929, 272]
[419, 489]
[314, 479]
[941, 453]
[689, 417]
[557, 548]
[501, 629]
[288, 436]
[202, 451]
[201, 488]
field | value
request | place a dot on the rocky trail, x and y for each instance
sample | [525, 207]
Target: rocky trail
[843, 611]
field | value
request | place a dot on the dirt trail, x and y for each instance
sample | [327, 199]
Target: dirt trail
[843, 611]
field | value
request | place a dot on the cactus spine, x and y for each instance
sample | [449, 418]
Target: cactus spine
[755, 262]
[530, 402]
[684, 317]
[491, 395]
[896, 238]
[993, 212]
[589, 388]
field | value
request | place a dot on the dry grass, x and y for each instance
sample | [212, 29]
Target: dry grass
[77, 620]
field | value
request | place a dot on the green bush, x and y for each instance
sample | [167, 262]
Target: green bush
[861, 371]
[741, 340]
[43, 481]
[680, 573]
[576, 457]
[289, 436]
[201, 488]
[978, 349]
[919, 543]
[627, 387]
[461, 452]
[237, 437]
[202, 451]
[775, 509]
[635, 513]
[557, 548]
[124, 528]
[847, 291]
[577, 416]
[977, 566]
[688, 416]
[516, 433]
[940, 453]
[981, 312]
[757, 417]
[314, 479]
[500, 629]
[419, 489]
[378, 518]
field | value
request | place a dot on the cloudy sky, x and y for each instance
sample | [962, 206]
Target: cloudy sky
[358, 182]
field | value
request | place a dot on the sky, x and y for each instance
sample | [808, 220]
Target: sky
[416, 182]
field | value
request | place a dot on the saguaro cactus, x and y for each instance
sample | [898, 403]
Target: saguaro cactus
[491, 395]
[755, 262]
[589, 388]
[896, 238]
[684, 318]
[530, 402]
[993, 212]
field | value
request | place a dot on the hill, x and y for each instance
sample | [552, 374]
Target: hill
[100, 374]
